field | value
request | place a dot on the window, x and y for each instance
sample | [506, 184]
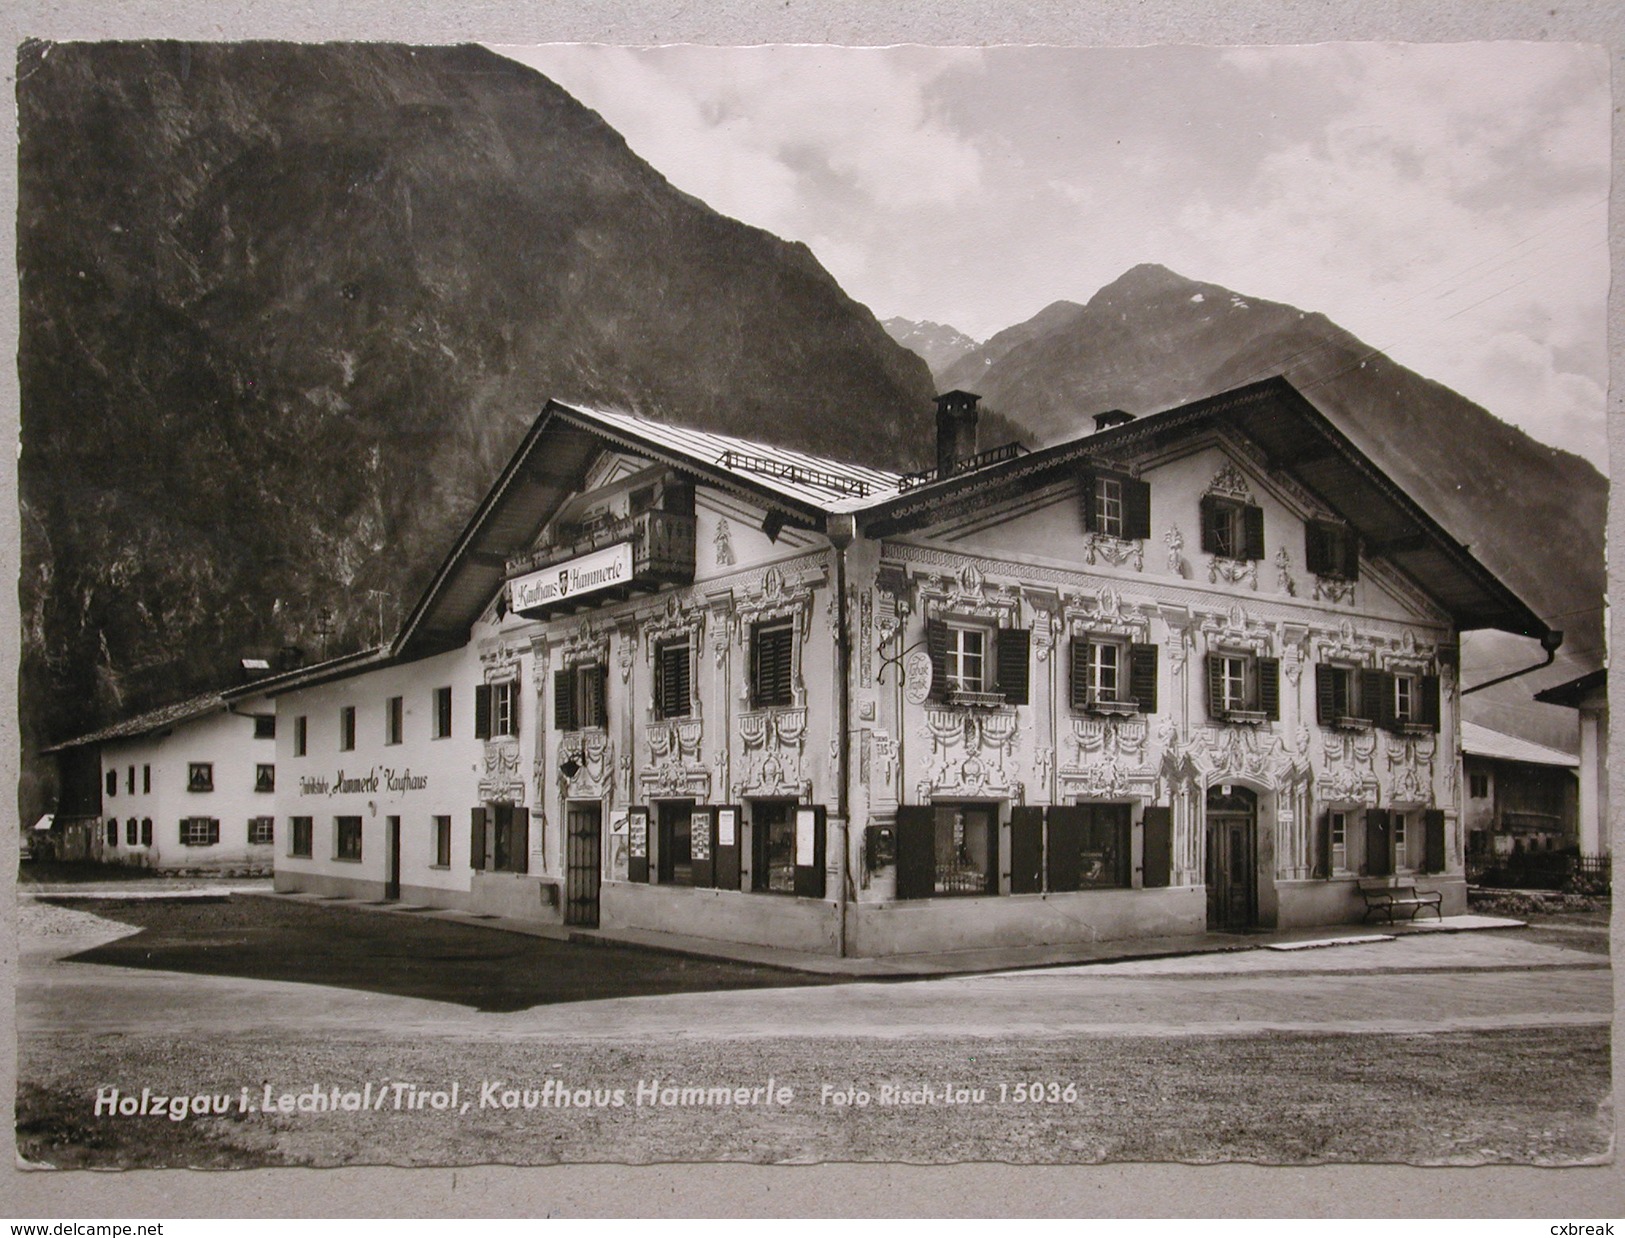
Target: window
[131, 832]
[671, 689]
[964, 657]
[1405, 708]
[442, 713]
[1087, 847]
[1401, 861]
[347, 838]
[675, 825]
[771, 652]
[394, 713]
[261, 831]
[1478, 786]
[146, 780]
[973, 664]
[129, 781]
[510, 838]
[146, 831]
[966, 849]
[1331, 549]
[264, 726]
[200, 776]
[301, 830]
[1113, 676]
[1116, 505]
[496, 709]
[347, 729]
[1340, 842]
[773, 846]
[301, 735]
[1232, 529]
[112, 829]
[578, 697]
[265, 778]
[112, 782]
[1339, 698]
[442, 834]
[199, 831]
[1243, 687]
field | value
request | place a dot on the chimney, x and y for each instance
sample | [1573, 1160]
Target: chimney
[1112, 417]
[956, 430]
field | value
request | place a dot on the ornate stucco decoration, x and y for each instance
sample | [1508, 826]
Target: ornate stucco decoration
[677, 619]
[1109, 758]
[1409, 654]
[1230, 483]
[675, 765]
[1104, 613]
[1329, 590]
[1284, 579]
[539, 681]
[777, 593]
[1045, 608]
[1292, 639]
[500, 779]
[724, 544]
[967, 592]
[1344, 644]
[595, 757]
[1347, 768]
[1410, 767]
[1234, 630]
[969, 753]
[1114, 550]
[774, 743]
[1175, 541]
[1233, 571]
[1217, 753]
[587, 644]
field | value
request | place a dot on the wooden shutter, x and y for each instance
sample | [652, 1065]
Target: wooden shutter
[1142, 677]
[476, 840]
[1065, 827]
[1215, 686]
[1080, 674]
[725, 856]
[809, 879]
[1317, 556]
[1323, 846]
[702, 845]
[1430, 702]
[1379, 852]
[482, 711]
[1433, 841]
[600, 704]
[1325, 694]
[936, 642]
[519, 840]
[1157, 843]
[1012, 649]
[1351, 554]
[916, 851]
[1026, 849]
[1371, 696]
[563, 700]
[1252, 523]
[514, 696]
[1385, 716]
[1269, 687]
[1136, 508]
[1087, 482]
[1210, 521]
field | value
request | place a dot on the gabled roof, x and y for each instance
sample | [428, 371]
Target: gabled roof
[1301, 443]
[1574, 692]
[151, 722]
[1480, 741]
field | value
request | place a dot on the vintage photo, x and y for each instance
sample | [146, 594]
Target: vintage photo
[795, 604]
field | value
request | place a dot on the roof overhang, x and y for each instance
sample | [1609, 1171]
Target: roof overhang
[1299, 443]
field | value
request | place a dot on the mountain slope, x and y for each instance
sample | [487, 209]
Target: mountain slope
[967, 372]
[937, 344]
[287, 308]
[1153, 339]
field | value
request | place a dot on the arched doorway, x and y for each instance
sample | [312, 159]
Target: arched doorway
[1232, 858]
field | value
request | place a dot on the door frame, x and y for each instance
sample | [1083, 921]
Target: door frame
[583, 881]
[1215, 821]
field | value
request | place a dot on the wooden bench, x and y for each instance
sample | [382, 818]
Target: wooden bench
[1387, 895]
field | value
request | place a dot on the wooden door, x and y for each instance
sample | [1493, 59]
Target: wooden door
[1232, 860]
[582, 863]
[392, 880]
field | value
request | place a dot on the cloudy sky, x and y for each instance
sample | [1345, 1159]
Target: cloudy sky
[1444, 202]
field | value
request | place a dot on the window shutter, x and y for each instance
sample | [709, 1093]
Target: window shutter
[1210, 514]
[916, 851]
[1323, 847]
[1091, 514]
[513, 707]
[1215, 686]
[1430, 701]
[1433, 841]
[1142, 676]
[1316, 553]
[1379, 855]
[1351, 555]
[600, 711]
[663, 657]
[563, 700]
[1080, 674]
[1013, 647]
[809, 879]
[1136, 509]
[214, 830]
[1371, 696]
[1384, 716]
[476, 840]
[1325, 704]
[936, 641]
[756, 693]
[1253, 532]
[1269, 687]
[482, 711]
[519, 840]
[1065, 827]
[1026, 849]
[185, 821]
[1158, 846]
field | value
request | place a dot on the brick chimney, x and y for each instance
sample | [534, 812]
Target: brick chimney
[1112, 417]
[956, 430]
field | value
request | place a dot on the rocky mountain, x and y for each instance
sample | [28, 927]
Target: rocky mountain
[968, 372]
[937, 344]
[1153, 339]
[285, 310]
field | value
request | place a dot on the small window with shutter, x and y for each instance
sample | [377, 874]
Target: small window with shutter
[1243, 687]
[1331, 549]
[1116, 505]
[1113, 675]
[771, 651]
[579, 697]
[1232, 529]
[671, 685]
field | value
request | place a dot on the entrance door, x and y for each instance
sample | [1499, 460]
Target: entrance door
[392, 881]
[583, 825]
[1232, 859]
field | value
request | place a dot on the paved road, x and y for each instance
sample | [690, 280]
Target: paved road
[1457, 981]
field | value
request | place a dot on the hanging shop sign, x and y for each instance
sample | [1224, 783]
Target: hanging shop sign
[586, 574]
